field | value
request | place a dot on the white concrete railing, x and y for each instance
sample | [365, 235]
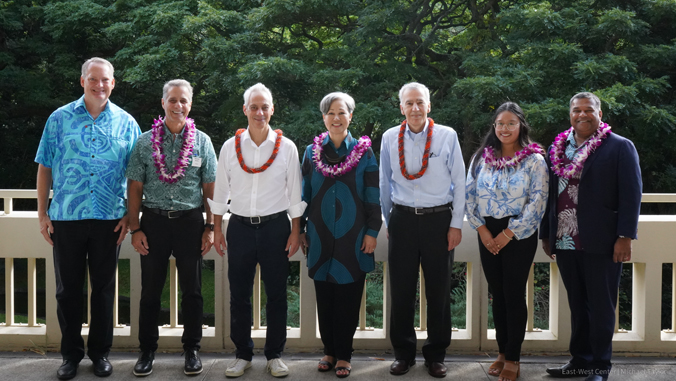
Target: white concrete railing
[20, 238]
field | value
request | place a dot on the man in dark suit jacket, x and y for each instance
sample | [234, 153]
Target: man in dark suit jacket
[592, 215]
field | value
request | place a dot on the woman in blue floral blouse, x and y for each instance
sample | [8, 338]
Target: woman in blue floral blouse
[340, 187]
[506, 197]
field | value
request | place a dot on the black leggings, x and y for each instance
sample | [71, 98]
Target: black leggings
[507, 273]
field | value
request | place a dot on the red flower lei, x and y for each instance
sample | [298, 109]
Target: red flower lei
[426, 155]
[238, 149]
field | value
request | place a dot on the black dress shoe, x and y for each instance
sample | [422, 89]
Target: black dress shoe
[596, 377]
[400, 367]
[436, 369]
[193, 364]
[67, 370]
[568, 370]
[144, 365]
[102, 367]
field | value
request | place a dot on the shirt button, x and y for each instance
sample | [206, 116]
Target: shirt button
[91, 174]
[92, 155]
[91, 191]
[93, 139]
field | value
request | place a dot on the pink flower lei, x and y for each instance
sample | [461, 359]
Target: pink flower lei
[506, 162]
[558, 150]
[183, 160]
[350, 162]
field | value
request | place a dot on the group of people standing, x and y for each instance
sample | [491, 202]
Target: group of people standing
[583, 194]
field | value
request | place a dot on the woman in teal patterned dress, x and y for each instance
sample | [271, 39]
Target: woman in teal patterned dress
[340, 186]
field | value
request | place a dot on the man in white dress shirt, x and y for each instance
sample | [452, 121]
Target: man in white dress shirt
[259, 171]
[422, 194]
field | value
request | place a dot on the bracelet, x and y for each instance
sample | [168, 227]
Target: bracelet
[135, 231]
[209, 226]
[503, 232]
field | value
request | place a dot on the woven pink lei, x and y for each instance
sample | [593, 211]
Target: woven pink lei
[183, 160]
[558, 150]
[350, 162]
[505, 162]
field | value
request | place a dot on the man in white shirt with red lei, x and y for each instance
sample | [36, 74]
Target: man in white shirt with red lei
[422, 193]
[259, 171]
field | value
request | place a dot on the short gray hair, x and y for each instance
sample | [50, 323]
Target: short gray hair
[596, 102]
[414, 85]
[176, 83]
[93, 60]
[327, 101]
[257, 88]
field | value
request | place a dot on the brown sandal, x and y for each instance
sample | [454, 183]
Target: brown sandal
[510, 375]
[496, 368]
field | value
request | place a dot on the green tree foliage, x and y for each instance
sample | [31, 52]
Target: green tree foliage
[473, 54]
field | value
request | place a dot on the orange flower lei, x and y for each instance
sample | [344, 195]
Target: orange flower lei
[426, 155]
[238, 149]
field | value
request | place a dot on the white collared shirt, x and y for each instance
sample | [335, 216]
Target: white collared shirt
[274, 190]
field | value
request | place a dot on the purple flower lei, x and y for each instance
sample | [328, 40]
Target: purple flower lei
[350, 162]
[558, 149]
[183, 160]
[505, 162]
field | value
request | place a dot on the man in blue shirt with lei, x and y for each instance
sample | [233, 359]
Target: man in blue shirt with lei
[422, 194]
[83, 156]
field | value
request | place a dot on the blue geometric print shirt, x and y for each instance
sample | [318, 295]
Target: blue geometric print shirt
[519, 191]
[88, 159]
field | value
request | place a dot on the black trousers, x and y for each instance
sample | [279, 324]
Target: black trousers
[338, 314]
[507, 274]
[420, 240]
[248, 245]
[592, 281]
[79, 245]
[181, 237]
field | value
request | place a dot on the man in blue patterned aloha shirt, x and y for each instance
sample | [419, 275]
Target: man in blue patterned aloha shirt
[174, 167]
[83, 155]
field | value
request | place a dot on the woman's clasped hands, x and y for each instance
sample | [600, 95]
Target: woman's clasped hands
[493, 244]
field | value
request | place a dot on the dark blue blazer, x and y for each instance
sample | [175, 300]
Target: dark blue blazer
[609, 198]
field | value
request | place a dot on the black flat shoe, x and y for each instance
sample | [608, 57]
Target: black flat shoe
[339, 368]
[144, 365]
[325, 366]
[67, 370]
[102, 367]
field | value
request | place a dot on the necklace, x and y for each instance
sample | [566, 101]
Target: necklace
[426, 155]
[238, 149]
[558, 150]
[350, 162]
[506, 162]
[159, 158]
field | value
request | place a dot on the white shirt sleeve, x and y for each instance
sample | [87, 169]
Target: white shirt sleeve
[219, 205]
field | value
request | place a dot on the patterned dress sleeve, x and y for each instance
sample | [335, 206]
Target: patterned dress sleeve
[471, 195]
[527, 222]
[306, 190]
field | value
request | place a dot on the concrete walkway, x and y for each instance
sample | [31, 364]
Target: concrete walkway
[28, 366]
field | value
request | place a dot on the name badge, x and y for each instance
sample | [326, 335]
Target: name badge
[196, 161]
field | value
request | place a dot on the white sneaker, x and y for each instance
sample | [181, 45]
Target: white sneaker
[237, 368]
[277, 368]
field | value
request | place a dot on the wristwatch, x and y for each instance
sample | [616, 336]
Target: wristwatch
[210, 226]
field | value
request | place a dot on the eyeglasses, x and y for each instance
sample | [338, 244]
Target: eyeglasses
[506, 126]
